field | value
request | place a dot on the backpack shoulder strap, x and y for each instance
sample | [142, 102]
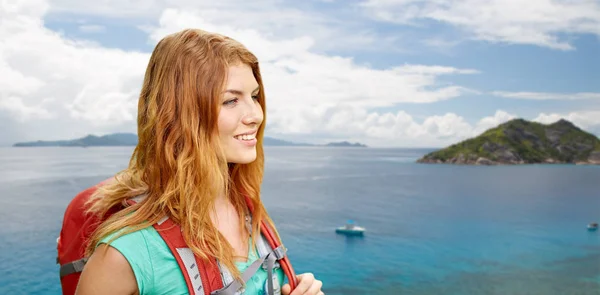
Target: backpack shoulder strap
[201, 276]
[206, 277]
[274, 243]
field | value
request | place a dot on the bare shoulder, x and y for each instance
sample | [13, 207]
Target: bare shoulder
[107, 272]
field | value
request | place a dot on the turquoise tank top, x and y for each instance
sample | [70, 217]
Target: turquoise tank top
[157, 272]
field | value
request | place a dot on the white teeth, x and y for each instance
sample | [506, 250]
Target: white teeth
[245, 137]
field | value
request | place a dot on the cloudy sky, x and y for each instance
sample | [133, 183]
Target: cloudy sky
[402, 73]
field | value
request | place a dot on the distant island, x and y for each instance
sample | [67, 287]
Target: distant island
[131, 139]
[523, 142]
[346, 144]
[115, 139]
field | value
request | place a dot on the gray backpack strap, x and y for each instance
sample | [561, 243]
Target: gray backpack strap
[264, 249]
[270, 262]
[72, 267]
[226, 276]
[189, 260]
[266, 261]
[234, 286]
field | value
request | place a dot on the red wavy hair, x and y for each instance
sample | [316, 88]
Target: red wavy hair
[178, 162]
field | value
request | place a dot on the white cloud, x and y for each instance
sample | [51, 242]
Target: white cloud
[402, 129]
[384, 129]
[583, 119]
[536, 22]
[492, 121]
[16, 82]
[32, 9]
[25, 112]
[56, 85]
[547, 95]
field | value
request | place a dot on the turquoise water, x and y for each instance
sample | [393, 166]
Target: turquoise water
[431, 229]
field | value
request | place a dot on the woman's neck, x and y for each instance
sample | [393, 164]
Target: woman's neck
[223, 211]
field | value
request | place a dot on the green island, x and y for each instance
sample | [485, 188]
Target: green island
[523, 142]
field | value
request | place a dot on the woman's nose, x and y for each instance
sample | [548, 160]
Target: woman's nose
[253, 114]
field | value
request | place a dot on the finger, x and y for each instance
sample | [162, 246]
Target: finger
[315, 288]
[305, 281]
[286, 289]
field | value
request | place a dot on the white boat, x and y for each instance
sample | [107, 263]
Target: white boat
[350, 229]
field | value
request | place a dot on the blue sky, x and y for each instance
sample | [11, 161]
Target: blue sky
[383, 72]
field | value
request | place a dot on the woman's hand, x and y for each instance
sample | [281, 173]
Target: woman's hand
[307, 285]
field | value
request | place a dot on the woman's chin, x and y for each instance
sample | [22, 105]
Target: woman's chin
[245, 157]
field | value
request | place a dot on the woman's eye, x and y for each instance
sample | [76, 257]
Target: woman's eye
[255, 97]
[230, 102]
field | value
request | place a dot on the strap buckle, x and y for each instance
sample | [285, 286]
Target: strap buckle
[279, 252]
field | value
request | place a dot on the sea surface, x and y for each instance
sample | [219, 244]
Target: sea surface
[431, 229]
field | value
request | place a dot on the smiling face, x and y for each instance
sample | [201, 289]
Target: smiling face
[240, 115]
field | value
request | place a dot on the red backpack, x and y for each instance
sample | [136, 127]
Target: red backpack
[202, 277]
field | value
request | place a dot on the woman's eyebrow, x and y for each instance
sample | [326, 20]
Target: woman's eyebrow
[239, 92]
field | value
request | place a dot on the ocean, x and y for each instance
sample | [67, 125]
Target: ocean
[431, 229]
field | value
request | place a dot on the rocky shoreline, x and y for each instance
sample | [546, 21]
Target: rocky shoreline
[472, 159]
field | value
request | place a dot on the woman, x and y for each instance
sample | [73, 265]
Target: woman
[200, 127]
